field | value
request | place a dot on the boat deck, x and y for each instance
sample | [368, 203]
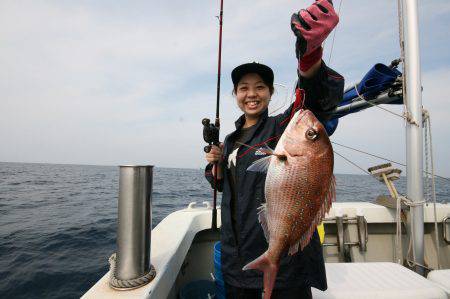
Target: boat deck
[182, 251]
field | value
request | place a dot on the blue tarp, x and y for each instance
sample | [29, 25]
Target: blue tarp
[379, 78]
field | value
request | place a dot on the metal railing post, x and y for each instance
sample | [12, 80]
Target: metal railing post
[134, 222]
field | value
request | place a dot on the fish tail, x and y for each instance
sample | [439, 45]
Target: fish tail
[269, 269]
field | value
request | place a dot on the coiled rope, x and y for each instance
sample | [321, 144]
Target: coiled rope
[128, 284]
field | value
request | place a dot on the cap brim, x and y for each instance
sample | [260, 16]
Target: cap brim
[262, 70]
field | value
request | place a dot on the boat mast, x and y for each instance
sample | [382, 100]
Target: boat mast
[414, 146]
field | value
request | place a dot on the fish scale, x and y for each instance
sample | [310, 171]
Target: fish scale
[299, 190]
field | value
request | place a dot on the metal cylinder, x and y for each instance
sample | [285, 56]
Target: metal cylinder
[414, 144]
[134, 221]
[362, 232]
[340, 237]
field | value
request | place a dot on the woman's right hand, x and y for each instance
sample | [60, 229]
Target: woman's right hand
[215, 154]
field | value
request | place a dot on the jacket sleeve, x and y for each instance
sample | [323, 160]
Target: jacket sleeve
[320, 94]
[210, 178]
[323, 92]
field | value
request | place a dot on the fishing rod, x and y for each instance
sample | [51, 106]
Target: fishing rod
[211, 131]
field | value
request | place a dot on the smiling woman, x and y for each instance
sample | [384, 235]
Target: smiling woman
[319, 89]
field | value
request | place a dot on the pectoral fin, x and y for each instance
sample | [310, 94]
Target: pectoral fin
[260, 165]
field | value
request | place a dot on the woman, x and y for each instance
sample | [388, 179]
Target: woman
[319, 89]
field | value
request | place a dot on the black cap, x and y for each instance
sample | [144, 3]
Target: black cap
[264, 71]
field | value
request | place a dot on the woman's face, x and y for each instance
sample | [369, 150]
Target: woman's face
[252, 95]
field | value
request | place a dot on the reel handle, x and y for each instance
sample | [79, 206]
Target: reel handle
[210, 134]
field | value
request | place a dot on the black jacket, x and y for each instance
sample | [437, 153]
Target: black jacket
[306, 268]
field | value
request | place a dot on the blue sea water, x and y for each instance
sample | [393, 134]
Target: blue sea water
[58, 222]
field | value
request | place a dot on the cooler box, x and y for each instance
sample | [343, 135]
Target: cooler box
[376, 280]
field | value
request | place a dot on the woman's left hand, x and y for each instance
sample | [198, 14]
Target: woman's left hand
[312, 26]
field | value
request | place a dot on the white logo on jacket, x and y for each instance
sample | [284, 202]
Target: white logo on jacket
[260, 152]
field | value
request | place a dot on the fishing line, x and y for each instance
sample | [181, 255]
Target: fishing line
[386, 159]
[363, 152]
[354, 164]
[286, 98]
[334, 34]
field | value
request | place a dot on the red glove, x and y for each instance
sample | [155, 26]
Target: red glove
[312, 26]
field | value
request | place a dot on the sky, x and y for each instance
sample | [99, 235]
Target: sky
[128, 82]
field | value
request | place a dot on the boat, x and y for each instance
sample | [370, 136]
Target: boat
[397, 249]
[359, 270]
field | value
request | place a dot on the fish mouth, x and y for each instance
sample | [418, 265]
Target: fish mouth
[305, 118]
[303, 113]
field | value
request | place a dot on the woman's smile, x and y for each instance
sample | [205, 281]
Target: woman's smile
[252, 104]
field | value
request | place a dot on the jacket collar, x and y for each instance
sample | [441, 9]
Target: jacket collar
[239, 123]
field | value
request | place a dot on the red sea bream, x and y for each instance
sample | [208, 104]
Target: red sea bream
[299, 190]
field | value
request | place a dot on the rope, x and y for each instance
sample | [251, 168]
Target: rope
[411, 203]
[429, 144]
[123, 284]
[383, 158]
[354, 164]
[363, 152]
[406, 116]
[402, 197]
[400, 38]
[398, 234]
[412, 263]
[402, 58]
[411, 246]
[426, 178]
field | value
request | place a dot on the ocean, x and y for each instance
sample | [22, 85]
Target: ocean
[58, 222]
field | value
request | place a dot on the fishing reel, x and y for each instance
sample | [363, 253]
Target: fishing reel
[210, 134]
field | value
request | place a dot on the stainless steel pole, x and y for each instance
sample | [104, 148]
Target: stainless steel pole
[414, 146]
[134, 222]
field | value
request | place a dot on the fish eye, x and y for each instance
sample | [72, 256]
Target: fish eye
[282, 158]
[311, 134]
